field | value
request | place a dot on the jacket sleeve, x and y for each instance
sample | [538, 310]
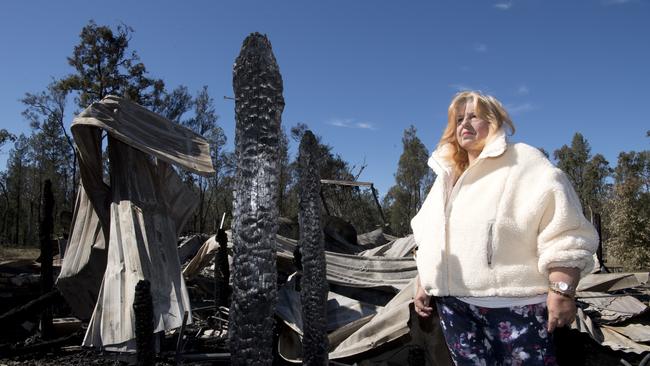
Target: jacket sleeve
[565, 237]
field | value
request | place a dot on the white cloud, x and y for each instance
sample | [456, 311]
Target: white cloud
[338, 122]
[461, 87]
[350, 123]
[523, 90]
[480, 47]
[520, 108]
[503, 5]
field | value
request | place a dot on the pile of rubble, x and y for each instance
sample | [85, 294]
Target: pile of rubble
[369, 314]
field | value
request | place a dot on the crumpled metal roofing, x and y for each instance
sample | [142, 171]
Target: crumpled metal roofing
[612, 316]
[127, 231]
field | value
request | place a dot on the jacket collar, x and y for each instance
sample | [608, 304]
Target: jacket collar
[495, 147]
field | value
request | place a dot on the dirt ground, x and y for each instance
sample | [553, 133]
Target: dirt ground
[13, 253]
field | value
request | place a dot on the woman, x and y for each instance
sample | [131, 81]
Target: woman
[502, 241]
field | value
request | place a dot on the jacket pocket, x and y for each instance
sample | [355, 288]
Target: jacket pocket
[490, 242]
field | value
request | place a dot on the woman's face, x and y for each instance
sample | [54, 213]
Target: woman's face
[471, 131]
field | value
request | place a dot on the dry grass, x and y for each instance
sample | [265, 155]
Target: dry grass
[13, 253]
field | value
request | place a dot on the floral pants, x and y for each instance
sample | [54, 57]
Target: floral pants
[495, 336]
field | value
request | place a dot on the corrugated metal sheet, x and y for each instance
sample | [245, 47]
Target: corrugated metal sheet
[139, 215]
[602, 282]
[608, 308]
[359, 271]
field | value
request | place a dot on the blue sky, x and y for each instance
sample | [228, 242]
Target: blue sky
[360, 72]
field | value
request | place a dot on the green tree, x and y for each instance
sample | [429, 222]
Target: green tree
[5, 136]
[17, 182]
[330, 165]
[355, 205]
[630, 211]
[173, 105]
[587, 173]
[204, 123]
[104, 65]
[51, 144]
[412, 180]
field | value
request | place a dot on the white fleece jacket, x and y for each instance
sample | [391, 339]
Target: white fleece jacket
[510, 217]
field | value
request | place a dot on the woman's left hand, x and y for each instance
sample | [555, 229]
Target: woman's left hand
[561, 311]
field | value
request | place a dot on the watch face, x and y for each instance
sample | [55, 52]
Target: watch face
[563, 286]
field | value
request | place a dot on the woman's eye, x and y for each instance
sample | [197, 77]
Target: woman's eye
[459, 120]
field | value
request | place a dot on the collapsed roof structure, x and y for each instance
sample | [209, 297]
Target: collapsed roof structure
[126, 230]
[370, 316]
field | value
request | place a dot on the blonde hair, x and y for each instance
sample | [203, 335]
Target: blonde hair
[487, 108]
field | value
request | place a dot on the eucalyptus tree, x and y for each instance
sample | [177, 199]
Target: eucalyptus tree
[17, 184]
[412, 180]
[52, 146]
[204, 123]
[629, 209]
[5, 136]
[587, 173]
[103, 65]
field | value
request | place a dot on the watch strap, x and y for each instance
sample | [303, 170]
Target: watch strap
[562, 288]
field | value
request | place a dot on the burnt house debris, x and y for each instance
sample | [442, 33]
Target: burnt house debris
[249, 295]
[126, 231]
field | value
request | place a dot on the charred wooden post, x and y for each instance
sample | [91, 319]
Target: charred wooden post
[314, 288]
[297, 262]
[144, 337]
[599, 251]
[47, 275]
[222, 271]
[257, 84]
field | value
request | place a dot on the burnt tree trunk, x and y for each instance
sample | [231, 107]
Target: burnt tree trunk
[314, 287]
[257, 84]
[144, 328]
[222, 271]
[47, 275]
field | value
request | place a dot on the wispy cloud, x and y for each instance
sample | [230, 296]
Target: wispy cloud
[520, 108]
[480, 47]
[350, 123]
[617, 2]
[522, 90]
[503, 5]
[461, 87]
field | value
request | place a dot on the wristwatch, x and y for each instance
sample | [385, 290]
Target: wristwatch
[562, 288]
